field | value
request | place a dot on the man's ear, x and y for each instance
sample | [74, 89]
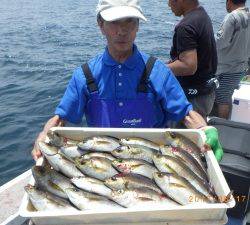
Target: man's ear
[100, 24]
[228, 5]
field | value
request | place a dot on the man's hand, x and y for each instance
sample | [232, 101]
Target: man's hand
[194, 120]
[212, 140]
[36, 153]
[53, 122]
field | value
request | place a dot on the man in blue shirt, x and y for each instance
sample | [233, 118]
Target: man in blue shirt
[116, 89]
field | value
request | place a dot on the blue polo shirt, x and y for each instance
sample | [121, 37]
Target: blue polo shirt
[119, 81]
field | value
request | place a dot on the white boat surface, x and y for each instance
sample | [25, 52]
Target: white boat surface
[11, 195]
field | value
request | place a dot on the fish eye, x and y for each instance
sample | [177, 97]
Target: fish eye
[120, 191]
[173, 135]
[119, 150]
[83, 162]
[160, 175]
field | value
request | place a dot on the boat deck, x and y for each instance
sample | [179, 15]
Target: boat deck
[11, 195]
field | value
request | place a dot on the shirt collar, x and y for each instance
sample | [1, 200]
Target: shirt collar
[131, 62]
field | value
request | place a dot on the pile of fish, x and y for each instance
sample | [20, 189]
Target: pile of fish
[106, 173]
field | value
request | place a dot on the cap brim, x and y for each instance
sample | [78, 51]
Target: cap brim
[121, 12]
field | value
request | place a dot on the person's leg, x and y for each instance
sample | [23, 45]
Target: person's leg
[223, 99]
[203, 104]
[223, 111]
[214, 111]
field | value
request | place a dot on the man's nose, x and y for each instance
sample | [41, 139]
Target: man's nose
[122, 29]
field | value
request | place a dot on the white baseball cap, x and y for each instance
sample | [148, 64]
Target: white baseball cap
[112, 10]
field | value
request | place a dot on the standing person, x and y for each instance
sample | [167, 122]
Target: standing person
[233, 46]
[123, 87]
[193, 54]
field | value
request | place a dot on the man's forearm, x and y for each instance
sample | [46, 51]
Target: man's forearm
[180, 68]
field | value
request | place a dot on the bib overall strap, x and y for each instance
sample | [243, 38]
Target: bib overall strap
[142, 87]
[90, 81]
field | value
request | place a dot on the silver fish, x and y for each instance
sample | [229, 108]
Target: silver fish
[71, 152]
[177, 140]
[141, 198]
[44, 201]
[187, 158]
[131, 152]
[170, 164]
[98, 154]
[178, 188]
[137, 142]
[100, 143]
[88, 201]
[50, 180]
[96, 167]
[59, 141]
[58, 162]
[91, 185]
[134, 166]
[130, 181]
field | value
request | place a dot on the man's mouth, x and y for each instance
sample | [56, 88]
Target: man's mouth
[121, 42]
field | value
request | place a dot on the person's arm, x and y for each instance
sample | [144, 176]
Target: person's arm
[53, 122]
[185, 60]
[186, 65]
[226, 32]
[169, 93]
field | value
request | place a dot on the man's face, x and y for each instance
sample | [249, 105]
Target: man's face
[176, 7]
[228, 5]
[120, 34]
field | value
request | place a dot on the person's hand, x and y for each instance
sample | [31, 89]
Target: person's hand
[53, 122]
[36, 153]
[194, 120]
[212, 140]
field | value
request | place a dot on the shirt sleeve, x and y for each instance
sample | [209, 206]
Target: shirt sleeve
[170, 93]
[186, 39]
[225, 33]
[71, 107]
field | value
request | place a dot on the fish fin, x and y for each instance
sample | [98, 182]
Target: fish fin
[126, 184]
[136, 166]
[95, 198]
[136, 151]
[102, 142]
[176, 185]
[145, 199]
[100, 170]
[54, 186]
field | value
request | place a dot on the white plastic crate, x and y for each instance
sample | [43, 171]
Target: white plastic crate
[241, 104]
[196, 214]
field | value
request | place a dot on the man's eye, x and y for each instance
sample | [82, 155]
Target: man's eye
[132, 20]
[114, 22]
